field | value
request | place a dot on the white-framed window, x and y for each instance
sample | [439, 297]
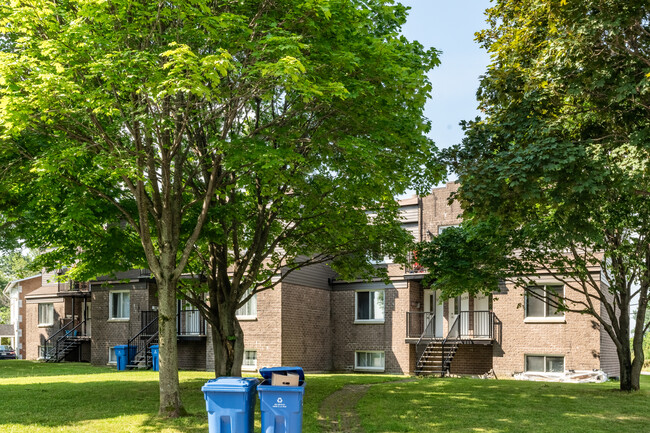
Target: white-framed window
[372, 360]
[248, 311]
[46, 314]
[250, 360]
[112, 359]
[544, 363]
[119, 302]
[542, 301]
[369, 306]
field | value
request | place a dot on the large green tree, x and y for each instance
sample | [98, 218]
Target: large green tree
[555, 175]
[241, 136]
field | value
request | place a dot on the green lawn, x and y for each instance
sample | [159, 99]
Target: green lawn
[474, 405]
[36, 397]
[39, 398]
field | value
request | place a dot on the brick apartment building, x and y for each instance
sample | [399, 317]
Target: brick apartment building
[323, 324]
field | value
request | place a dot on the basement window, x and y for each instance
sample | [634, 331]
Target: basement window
[250, 360]
[112, 359]
[544, 364]
[369, 361]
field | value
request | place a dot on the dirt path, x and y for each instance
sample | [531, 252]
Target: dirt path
[337, 412]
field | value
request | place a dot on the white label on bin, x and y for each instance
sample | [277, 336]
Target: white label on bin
[279, 404]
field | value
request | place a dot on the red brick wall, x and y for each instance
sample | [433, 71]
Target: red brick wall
[577, 339]
[264, 334]
[108, 333]
[348, 337]
[472, 359]
[191, 354]
[306, 328]
[437, 212]
[35, 336]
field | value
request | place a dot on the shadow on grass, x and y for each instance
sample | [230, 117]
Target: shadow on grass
[505, 406]
[122, 405]
[23, 368]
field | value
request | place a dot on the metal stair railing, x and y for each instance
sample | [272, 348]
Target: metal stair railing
[144, 338]
[454, 333]
[62, 345]
[48, 346]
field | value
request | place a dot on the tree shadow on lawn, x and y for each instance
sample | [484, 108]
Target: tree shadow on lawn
[505, 406]
[134, 404]
[23, 368]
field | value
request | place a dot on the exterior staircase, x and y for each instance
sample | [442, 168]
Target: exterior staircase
[62, 342]
[143, 360]
[58, 352]
[436, 358]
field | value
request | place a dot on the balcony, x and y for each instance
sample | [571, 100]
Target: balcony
[476, 326]
[413, 269]
[73, 288]
[189, 323]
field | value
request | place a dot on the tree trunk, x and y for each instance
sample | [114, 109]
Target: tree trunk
[170, 399]
[227, 341]
[628, 382]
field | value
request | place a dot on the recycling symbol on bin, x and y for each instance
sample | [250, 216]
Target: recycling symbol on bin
[279, 399]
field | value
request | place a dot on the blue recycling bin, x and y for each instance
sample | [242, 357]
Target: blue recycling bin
[154, 357]
[230, 402]
[281, 405]
[121, 356]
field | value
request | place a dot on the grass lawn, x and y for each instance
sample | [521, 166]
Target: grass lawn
[36, 397]
[464, 405]
[70, 397]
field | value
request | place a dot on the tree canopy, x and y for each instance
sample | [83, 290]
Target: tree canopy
[237, 136]
[555, 175]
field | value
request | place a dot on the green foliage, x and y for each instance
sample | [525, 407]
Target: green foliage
[558, 165]
[16, 265]
[322, 99]
[13, 265]
[5, 315]
[238, 137]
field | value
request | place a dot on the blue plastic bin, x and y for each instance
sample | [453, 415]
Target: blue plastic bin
[154, 357]
[281, 406]
[121, 356]
[230, 402]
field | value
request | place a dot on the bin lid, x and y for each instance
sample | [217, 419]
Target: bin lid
[232, 383]
[267, 372]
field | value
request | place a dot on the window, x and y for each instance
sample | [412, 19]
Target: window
[250, 360]
[46, 314]
[542, 301]
[545, 364]
[370, 306]
[249, 310]
[371, 361]
[119, 305]
[112, 359]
